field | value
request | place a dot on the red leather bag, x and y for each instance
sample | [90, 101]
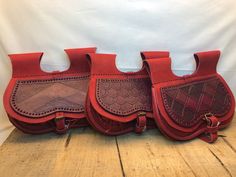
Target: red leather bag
[196, 105]
[119, 102]
[38, 102]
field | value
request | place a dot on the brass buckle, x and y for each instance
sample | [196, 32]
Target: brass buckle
[59, 118]
[141, 114]
[207, 117]
[208, 120]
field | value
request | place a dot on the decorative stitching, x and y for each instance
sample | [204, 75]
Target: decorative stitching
[40, 82]
[124, 74]
[49, 74]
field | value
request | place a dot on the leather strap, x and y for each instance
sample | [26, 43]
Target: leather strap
[141, 123]
[160, 70]
[78, 59]
[61, 127]
[100, 62]
[154, 54]
[211, 134]
[105, 64]
[26, 64]
[206, 62]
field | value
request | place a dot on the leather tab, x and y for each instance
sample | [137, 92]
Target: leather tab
[141, 123]
[61, 127]
[78, 60]
[206, 62]
[160, 70]
[27, 64]
[103, 64]
[211, 134]
[154, 54]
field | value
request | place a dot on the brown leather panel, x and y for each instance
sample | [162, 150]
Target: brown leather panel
[38, 98]
[124, 96]
[187, 103]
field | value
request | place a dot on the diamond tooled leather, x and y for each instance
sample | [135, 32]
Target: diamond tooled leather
[37, 98]
[187, 103]
[124, 96]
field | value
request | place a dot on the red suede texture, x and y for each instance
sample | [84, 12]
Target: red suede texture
[162, 77]
[27, 67]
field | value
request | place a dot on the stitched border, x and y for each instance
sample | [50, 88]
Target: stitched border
[50, 74]
[43, 81]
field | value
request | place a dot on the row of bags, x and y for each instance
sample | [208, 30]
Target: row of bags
[94, 92]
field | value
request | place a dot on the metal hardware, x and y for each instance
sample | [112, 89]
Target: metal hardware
[141, 114]
[59, 118]
[138, 127]
[207, 117]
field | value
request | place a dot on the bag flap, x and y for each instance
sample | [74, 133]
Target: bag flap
[186, 104]
[183, 101]
[123, 97]
[38, 98]
[116, 95]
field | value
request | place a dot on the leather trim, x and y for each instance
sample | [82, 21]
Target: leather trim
[186, 103]
[19, 100]
[175, 131]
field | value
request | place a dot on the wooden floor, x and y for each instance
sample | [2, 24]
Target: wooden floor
[83, 152]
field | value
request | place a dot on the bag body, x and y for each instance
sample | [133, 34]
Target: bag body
[191, 106]
[39, 102]
[119, 102]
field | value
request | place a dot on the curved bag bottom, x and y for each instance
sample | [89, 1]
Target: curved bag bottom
[110, 127]
[48, 126]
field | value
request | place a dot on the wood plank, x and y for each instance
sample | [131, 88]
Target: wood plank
[229, 135]
[217, 159]
[224, 149]
[82, 152]
[151, 154]
[202, 158]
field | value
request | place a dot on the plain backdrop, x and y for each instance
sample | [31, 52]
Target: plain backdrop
[124, 27]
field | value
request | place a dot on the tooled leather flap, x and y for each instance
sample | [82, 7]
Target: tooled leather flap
[78, 59]
[124, 97]
[39, 98]
[187, 103]
[154, 54]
